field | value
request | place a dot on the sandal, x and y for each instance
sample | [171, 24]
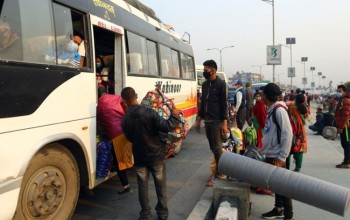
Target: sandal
[124, 190]
[210, 183]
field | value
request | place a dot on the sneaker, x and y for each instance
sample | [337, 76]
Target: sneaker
[273, 214]
[343, 165]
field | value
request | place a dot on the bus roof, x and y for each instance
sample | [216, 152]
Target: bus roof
[134, 20]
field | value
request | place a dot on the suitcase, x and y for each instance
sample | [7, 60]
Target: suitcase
[329, 132]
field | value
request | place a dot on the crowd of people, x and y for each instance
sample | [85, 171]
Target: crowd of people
[268, 113]
[265, 110]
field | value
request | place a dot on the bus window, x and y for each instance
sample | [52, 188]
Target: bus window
[137, 54]
[170, 62]
[11, 47]
[175, 70]
[69, 39]
[152, 58]
[187, 67]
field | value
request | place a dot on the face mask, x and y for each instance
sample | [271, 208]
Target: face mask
[72, 47]
[207, 75]
[228, 135]
[98, 65]
[258, 98]
[339, 94]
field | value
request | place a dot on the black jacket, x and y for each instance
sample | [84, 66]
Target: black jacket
[214, 100]
[141, 126]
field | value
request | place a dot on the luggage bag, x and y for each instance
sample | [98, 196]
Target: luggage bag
[330, 132]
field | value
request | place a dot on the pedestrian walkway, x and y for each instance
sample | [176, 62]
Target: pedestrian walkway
[319, 162]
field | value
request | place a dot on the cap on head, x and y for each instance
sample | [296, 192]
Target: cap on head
[238, 82]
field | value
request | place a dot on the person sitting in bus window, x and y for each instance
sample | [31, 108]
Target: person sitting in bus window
[67, 51]
[11, 47]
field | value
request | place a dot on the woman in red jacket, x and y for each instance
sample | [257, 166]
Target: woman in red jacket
[342, 116]
[259, 118]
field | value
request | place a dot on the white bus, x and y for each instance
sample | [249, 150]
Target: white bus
[48, 107]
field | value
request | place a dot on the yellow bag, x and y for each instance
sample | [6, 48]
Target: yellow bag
[123, 151]
[237, 133]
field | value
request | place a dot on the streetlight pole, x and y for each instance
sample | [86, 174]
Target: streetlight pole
[220, 50]
[319, 79]
[323, 77]
[272, 3]
[290, 41]
[303, 60]
[312, 69]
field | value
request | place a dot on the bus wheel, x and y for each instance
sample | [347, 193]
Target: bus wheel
[177, 148]
[50, 185]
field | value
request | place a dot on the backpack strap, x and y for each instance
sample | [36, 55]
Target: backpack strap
[273, 114]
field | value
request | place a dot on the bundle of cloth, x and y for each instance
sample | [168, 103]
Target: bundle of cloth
[156, 100]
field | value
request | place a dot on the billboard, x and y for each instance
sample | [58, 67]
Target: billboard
[274, 55]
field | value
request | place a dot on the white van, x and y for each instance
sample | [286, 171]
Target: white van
[201, 79]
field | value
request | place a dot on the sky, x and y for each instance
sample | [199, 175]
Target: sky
[321, 29]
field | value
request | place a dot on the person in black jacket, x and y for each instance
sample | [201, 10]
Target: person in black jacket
[213, 110]
[141, 126]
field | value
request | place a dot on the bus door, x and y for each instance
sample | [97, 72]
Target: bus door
[108, 38]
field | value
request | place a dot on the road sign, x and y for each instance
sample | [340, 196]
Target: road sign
[304, 80]
[312, 84]
[291, 71]
[274, 55]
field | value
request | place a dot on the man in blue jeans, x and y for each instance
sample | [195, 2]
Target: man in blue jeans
[277, 144]
[141, 126]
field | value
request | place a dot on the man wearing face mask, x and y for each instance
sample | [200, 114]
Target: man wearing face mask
[10, 44]
[213, 110]
[67, 51]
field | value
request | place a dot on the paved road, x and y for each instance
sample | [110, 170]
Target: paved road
[187, 174]
[186, 177]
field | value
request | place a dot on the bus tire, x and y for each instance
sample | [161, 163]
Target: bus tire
[177, 148]
[50, 185]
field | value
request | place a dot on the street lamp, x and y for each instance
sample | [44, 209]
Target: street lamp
[260, 66]
[272, 3]
[220, 50]
[312, 69]
[323, 77]
[319, 79]
[303, 60]
[291, 71]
